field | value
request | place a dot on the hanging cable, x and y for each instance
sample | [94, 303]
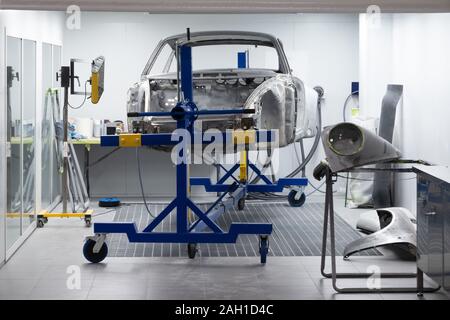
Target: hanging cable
[344, 109]
[141, 184]
[303, 171]
[97, 214]
[84, 100]
[104, 157]
[372, 180]
[302, 165]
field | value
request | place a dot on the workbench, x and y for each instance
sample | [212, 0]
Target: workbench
[88, 143]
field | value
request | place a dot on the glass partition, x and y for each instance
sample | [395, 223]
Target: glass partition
[51, 180]
[57, 150]
[14, 136]
[47, 126]
[21, 121]
[28, 132]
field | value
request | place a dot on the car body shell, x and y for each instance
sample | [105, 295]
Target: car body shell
[281, 101]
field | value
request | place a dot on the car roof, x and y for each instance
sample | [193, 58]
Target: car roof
[223, 37]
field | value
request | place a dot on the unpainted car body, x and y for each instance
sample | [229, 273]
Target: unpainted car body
[281, 100]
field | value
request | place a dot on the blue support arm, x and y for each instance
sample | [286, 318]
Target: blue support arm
[170, 139]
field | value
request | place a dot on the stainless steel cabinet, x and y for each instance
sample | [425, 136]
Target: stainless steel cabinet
[433, 225]
[430, 232]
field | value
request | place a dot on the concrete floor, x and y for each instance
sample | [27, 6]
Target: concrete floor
[47, 266]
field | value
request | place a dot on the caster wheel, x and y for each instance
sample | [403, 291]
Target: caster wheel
[241, 204]
[88, 223]
[45, 219]
[294, 202]
[40, 223]
[90, 255]
[263, 248]
[192, 250]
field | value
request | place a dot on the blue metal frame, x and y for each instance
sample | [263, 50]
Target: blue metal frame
[160, 139]
[204, 229]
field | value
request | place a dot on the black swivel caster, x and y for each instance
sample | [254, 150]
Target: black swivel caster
[90, 255]
[192, 250]
[241, 204]
[40, 223]
[296, 202]
[88, 222]
[263, 248]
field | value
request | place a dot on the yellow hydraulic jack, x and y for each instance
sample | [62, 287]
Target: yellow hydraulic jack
[243, 137]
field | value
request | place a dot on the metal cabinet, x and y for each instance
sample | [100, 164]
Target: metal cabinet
[433, 223]
[430, 232]
[446, 213]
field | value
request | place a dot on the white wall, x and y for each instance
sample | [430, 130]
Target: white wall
[322, 50]
[2, 145]
[41, 27]
[412, 50]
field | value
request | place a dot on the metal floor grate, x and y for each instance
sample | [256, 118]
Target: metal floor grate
[296, 232]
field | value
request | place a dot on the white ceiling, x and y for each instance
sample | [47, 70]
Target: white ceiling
[233, 6]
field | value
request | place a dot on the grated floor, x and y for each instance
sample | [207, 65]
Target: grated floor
[296, 232]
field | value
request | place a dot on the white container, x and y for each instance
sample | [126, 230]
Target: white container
[84, 126]
[97, 128]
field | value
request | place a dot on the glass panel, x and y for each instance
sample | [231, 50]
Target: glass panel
[14, 136]
[51, 180]
[47, 126]
[2, 152]
[28, 131]
[57, 155]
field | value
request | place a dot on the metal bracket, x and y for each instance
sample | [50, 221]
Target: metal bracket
[99, 241]
[334, 275]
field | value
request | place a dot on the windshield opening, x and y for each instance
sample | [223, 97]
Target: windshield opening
[219, 56]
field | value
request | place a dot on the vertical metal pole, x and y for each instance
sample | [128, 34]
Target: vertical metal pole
[243, 166]
[420, 288]
[182, 170]
[325, 227]
[186, 72]
[217, 172]
[65, 138]
[332, 233]
[346, 191]
[86, 167]
[182, 185]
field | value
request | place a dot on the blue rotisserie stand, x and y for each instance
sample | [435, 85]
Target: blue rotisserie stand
[204, 229]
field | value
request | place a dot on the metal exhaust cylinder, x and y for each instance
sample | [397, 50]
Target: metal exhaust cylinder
[348, 146]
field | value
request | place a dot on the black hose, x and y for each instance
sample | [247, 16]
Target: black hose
[141, 184]
[344, 109]
[315, 144]
[104, 157]
[301, 167]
